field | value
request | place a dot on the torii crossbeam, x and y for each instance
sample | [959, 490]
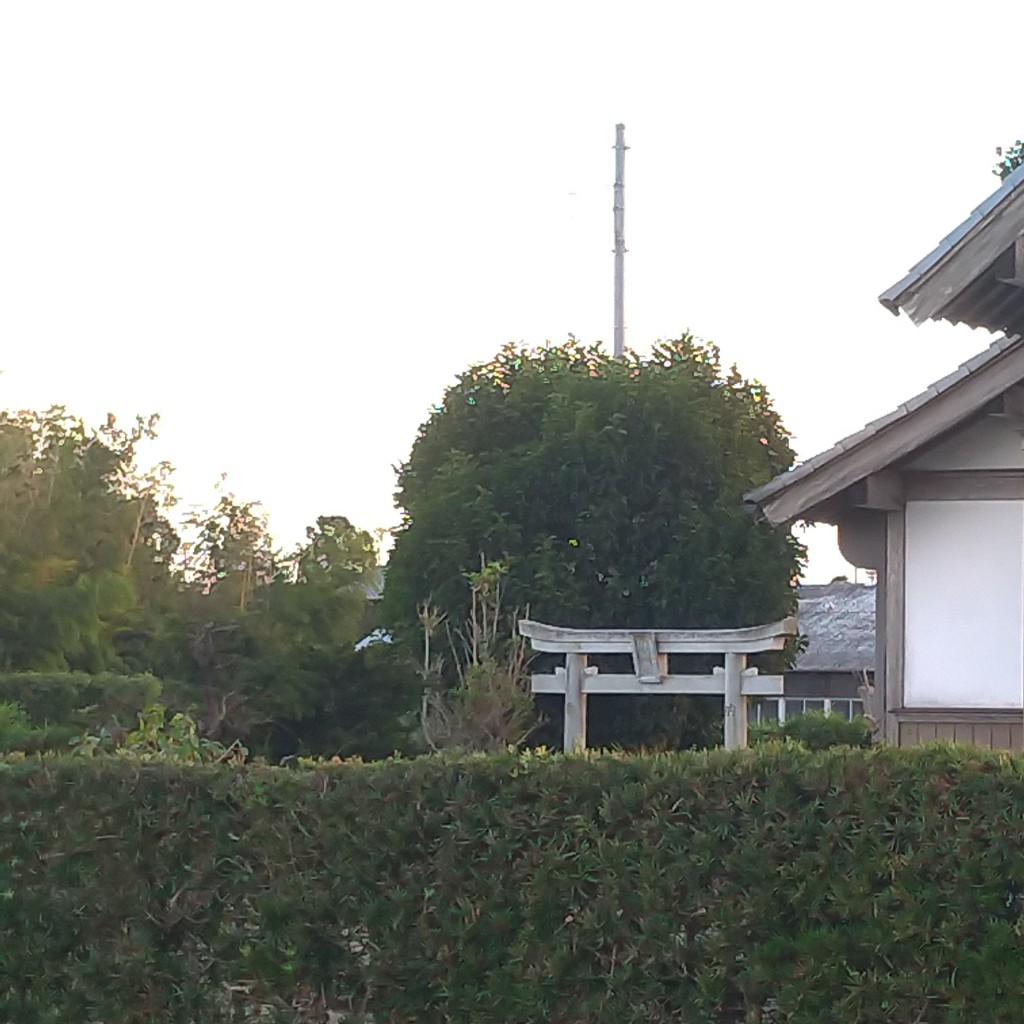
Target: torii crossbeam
[650, 649]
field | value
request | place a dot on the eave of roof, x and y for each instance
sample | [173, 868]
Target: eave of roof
[958, 280]
[921, 419]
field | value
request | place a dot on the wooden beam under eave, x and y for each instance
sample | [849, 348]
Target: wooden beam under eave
[885, 491]
[1012, 404]
[861, 536]
[880, 492]
[965, 485]
[830, 511]
[1016, 278]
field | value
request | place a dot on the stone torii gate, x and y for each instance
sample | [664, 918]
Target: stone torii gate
[650, 649]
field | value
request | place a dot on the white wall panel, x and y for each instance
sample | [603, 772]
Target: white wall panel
[964, 604]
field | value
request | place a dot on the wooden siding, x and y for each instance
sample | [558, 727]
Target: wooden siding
[995, 730]
[965, 485]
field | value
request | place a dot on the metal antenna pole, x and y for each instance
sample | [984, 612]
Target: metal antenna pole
[620, 240]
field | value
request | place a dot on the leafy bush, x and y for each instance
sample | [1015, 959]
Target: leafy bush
[15, 728]
[60, 705]
[817, 731]
[491, 708]
[844, 887]
[612, 488]
[360, 704]
[159, 735]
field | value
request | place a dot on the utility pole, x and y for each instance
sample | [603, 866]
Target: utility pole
[620, 239]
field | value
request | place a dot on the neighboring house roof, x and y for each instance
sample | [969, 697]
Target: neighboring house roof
[976, 274]
[839, 621]
[918, 421]
[378, 636]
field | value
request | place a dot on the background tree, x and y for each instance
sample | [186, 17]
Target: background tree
[1010, 159]
[273, 639]
[611, 489]
[105, 607]
[227, 570]
[79, 540]
[322, 690]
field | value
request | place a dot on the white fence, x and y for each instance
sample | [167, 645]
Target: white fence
[779, 709]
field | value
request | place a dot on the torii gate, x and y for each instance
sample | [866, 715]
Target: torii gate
[650, 649]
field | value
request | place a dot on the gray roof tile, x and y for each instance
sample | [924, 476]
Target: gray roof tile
[978, 361]
[839, 623]
[890, 417]
[951, 378]
[918, 400]
[897, 296]
[875, 427]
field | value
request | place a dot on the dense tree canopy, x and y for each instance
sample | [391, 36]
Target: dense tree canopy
[83, 538]
[612, 490]
[260, 644]
[274, 640]
[604, 492]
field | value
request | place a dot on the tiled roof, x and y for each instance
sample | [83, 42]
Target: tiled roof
[974, 289]
[838, 620]
[884, 423]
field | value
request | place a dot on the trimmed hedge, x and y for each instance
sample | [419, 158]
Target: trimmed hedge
[816, 731]
[776, 885]
[61, 705]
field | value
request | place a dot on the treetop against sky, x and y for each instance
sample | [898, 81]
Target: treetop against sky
[288, 231]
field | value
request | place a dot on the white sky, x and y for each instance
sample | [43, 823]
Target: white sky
[287, 227]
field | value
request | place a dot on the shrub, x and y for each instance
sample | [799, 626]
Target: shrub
[491, 708]
[60, 705]
[159, 735]
[15, 728]
[817, 731]
[844, 887]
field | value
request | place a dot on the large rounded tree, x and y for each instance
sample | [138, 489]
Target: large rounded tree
[612, 490]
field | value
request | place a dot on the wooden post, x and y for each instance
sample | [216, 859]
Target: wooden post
[574, 734]
[735, 702]
[895, 625]
[650, 650]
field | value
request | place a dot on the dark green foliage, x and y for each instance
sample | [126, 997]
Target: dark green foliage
[16, 730]
[96, 581]
[818, 731]
[612, 489]
[83, 536]
[1010, 159]
[850, 887]
[271, 641]
[361, 703]
[61, 705]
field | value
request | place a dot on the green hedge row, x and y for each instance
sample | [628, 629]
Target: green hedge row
[61, 705]
[851, 886]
